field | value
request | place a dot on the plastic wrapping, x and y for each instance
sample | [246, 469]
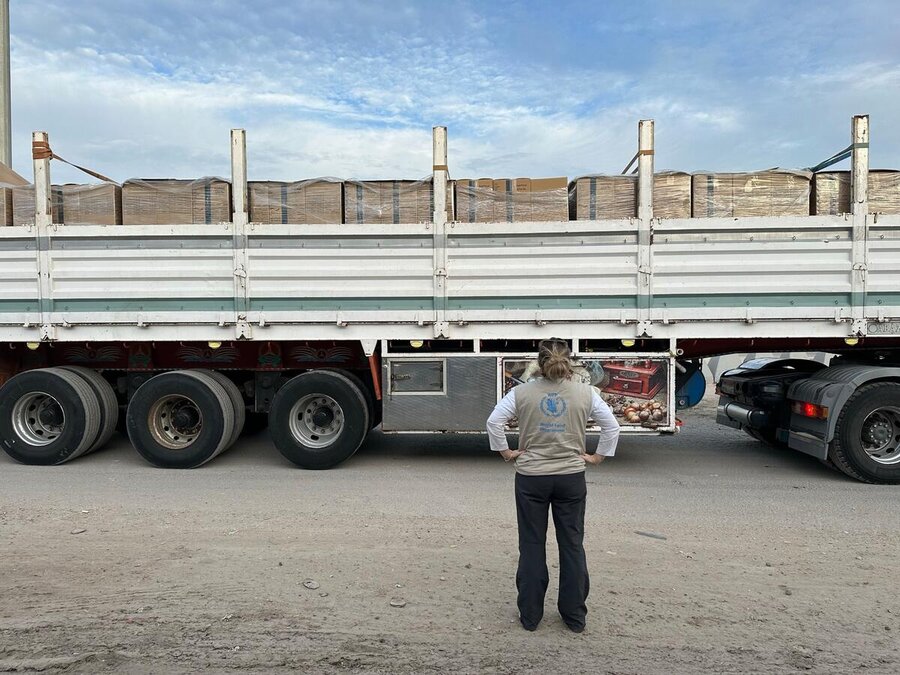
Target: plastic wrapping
[498, 200]
[309, 201]
[165, 201]
[601, 197]
[72, 204]
[832, 192]
[763, 193]
[391, 201]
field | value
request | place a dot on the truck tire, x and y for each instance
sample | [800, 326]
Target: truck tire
[237, 402]
[48, 416]
[180, 419]
[109, 403]
[373, 407]
[319, 419]
[866, 443]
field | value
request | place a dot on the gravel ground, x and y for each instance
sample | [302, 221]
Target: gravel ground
[770, 562]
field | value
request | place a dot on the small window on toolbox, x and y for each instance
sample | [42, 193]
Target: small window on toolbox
[418, 376]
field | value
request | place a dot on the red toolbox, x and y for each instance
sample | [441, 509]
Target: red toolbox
[641, 379]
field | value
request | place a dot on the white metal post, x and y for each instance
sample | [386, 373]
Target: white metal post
[859, 210]
[645, 170]
[439, 221]
[43, 214]
[240, 220]
[645, 225]
[43, 219]
[859, 172]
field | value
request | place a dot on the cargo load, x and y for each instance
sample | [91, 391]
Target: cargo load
[6, 207]
[166, 201]
[71, 204]
[601, 197]
[307, 201]
[763, 193]
[832, 192]
[512, 200]
[391, 201]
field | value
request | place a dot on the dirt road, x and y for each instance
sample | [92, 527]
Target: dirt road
[770, 563]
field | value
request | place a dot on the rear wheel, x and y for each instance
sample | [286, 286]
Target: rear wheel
[48, 416]
[109, 403]
[180, 420]
[319, 419]
[237, 402]
[866, 443]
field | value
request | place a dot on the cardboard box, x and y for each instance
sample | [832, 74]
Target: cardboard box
[764, 193]
[310, 201]
[70, 204]
[507, 200]
[171, 202]
[392, 201]
[831, 192]
[615, 196]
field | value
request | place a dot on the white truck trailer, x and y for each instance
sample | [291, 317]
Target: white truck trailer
[330, 330]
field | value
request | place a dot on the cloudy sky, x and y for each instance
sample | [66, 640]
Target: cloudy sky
[527, 88]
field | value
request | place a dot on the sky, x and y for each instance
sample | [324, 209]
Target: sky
[351, 89]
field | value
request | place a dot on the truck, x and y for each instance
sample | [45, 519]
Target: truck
[187, 332]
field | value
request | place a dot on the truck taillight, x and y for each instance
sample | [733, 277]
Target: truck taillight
[810, 410]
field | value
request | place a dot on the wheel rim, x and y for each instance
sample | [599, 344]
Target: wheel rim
[175, 422]
[317, 420]
[38, 418]
[880, 435]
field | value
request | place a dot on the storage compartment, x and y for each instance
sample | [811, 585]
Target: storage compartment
[417, 377]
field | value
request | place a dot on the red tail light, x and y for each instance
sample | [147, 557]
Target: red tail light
[810, 410]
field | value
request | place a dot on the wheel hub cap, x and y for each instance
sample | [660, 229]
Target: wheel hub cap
[38, 419]
[316, 421]
[880, 435]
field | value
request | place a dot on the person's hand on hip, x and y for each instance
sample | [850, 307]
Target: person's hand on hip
[593, 459]
[509, 455]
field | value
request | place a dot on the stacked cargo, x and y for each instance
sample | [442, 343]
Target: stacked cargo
[309, 201]
[603, 197]
[170, 201]
[519, 200]
[391, 201]
[763, 193]
[832, 192]
[70, 204]
[6, 207]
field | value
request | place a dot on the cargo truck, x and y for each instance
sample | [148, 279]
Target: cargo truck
[326, 331]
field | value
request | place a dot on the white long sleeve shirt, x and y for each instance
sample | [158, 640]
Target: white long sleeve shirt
[505, 410]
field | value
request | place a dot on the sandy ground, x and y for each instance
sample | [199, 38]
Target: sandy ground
[770, 563]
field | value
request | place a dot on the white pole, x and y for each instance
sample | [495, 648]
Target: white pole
[5, 109]
[859, 165]
[439, 142]
[645, 169]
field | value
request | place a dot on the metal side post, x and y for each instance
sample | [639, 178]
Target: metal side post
[240, 221]
[859, 212]
[645, 226]
[439, 220]
[43, 221]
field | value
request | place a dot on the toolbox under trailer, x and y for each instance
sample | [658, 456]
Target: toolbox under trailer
[330, 330]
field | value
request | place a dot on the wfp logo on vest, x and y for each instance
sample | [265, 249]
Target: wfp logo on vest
[553, 405]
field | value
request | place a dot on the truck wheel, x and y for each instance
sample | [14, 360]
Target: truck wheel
[109, 404]
[48, 416]
[318, 419]
[180, 419]
[866, 443]
[237, 401]
[372, 405]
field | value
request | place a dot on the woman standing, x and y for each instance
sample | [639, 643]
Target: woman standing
[553, 412]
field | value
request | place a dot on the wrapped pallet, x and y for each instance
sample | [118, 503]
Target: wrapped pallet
[391, 201]
[498, 200]
[610, 197]
[308, 201]
[166, 201]
[832, 192]
[6, 207]
[762, 193]
[70, 204]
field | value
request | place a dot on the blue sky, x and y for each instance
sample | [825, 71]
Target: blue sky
[527, 88]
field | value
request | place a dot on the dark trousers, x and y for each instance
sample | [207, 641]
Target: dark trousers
[534, 497]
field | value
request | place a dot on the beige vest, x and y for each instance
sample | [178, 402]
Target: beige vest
[552, 421]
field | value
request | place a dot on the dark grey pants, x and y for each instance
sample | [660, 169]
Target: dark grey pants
[567, 496]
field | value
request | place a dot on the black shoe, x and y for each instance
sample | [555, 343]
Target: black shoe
[527, 626]
[576, 627]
